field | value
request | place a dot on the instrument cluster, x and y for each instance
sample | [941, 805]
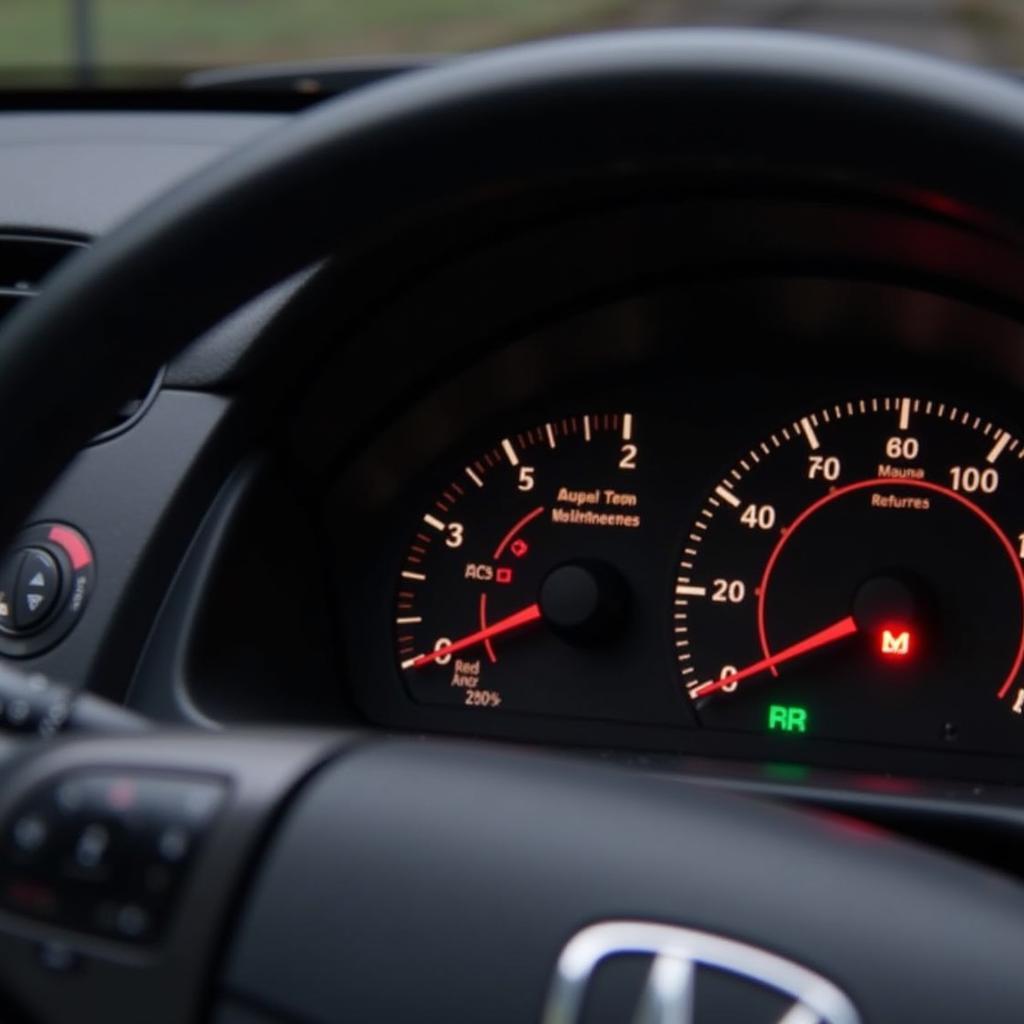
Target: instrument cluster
[707, 557]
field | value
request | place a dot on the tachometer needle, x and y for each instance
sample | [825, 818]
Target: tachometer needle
[829, 635]
[505, 625]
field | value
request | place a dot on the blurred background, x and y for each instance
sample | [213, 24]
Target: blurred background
[121, 40]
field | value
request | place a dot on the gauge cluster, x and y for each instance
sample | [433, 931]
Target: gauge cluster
[857, 573]
[708, 558]
[531, 541]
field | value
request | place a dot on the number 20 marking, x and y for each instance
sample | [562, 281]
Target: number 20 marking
[728, 591]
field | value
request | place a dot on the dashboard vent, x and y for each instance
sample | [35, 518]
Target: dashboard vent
[25, 261]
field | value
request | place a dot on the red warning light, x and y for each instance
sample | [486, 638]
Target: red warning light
[895, 642]
[503, 576]
[519, 547]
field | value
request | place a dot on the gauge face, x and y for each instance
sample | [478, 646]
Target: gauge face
[858, 573]
[510, 589]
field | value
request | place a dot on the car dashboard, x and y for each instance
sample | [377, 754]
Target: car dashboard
[718, 478]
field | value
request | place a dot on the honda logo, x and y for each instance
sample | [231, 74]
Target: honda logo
[677, 955]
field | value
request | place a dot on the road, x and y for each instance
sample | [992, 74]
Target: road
[940, 27]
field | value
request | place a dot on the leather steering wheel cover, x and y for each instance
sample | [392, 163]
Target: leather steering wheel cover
[438, 882]
[382, 157]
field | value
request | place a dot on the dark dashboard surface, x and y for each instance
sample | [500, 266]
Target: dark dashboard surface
[84, 171]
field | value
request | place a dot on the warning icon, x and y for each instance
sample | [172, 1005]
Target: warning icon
[33, 601]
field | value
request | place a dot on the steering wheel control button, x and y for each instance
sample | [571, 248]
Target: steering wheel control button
[30, 833]
[45, 583]
[107, 853]
[132, 921]
[92, 848]
[36, 590]
[173, 845]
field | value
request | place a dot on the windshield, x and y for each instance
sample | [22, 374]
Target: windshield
[125, 42]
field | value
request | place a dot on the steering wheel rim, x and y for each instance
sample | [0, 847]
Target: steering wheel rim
[402, 153]
[365, 164]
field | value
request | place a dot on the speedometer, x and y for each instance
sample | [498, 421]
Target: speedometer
[857, 573]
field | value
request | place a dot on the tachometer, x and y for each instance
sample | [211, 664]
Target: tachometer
[857, 574]
[512, 579]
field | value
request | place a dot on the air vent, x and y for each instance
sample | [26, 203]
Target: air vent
[25, 260]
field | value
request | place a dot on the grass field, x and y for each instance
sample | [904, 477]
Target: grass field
[36, 33]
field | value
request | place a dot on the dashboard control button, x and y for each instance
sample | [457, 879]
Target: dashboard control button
[45, 584]
[37, 589]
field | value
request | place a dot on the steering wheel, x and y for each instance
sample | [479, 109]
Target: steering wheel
[320, 876]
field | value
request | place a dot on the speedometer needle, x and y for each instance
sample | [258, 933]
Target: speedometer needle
[828, 635]
[520, 618]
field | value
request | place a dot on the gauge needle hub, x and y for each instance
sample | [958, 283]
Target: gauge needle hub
[829, 635]
[520, 618]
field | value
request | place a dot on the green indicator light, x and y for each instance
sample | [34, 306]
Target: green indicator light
[784, 719]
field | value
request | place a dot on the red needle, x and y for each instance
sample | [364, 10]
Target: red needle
[510, 622]
[829, 635]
